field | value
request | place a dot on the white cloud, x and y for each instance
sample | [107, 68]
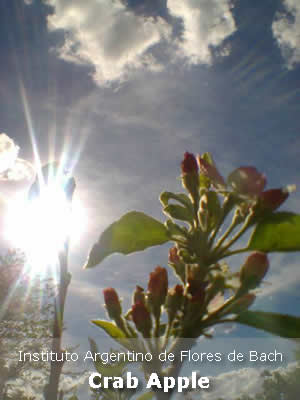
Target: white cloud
[8, 152]
[283, 276]
[242, 381]
[11, 167]
[206, 24]
[233, 383]
[286, 30]
[107, 36]
[115, 41]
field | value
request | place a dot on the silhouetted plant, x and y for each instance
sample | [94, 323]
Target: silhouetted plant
[212, 217]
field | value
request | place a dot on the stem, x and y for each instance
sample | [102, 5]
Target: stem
[173, 371]
[121, 323]
[213, 318]
[244, 228]
[157, 325]
[226, 234]
[227, 207]
[51, 390]
[167, 334]
[232, 253]
[196, 207]
[216, 230]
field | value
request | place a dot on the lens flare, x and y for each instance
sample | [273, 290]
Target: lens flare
[40, 227]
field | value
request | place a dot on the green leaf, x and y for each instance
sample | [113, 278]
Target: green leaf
[175, 231]
[182, 198]
[111, 329]
[282, 325]
[277, 232]
[204, 181]
[208, 158]
[146, 396]
[108, 369]
[214, 208]
[133, 232]
[178, 212]
[162, 329]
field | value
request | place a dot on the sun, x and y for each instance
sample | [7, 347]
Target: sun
[41, 226]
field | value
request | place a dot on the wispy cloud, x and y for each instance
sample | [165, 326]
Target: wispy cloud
[283, 276]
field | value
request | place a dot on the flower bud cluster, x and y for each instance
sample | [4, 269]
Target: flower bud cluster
[208, 293]
[146, 306]
[190, 302]
[245, 183]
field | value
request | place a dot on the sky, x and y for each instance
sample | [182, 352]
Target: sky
[122, 88]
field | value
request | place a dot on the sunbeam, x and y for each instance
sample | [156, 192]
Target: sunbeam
[41, 225]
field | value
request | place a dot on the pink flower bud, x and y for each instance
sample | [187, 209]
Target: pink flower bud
[242, 304]
[189, 164]
[173, 256]
[158, 285]
[254, 270]
[176, 263]
[112, 303]
[139, 295]
[178, 290]
[174, 299]
[142, 319]
[211, 172]
[247, 181]
[273, 198]
[190, 176]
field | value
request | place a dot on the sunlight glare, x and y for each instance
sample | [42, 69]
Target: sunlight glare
[41, 226]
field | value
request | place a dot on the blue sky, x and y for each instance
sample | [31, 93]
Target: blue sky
[124, 88]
